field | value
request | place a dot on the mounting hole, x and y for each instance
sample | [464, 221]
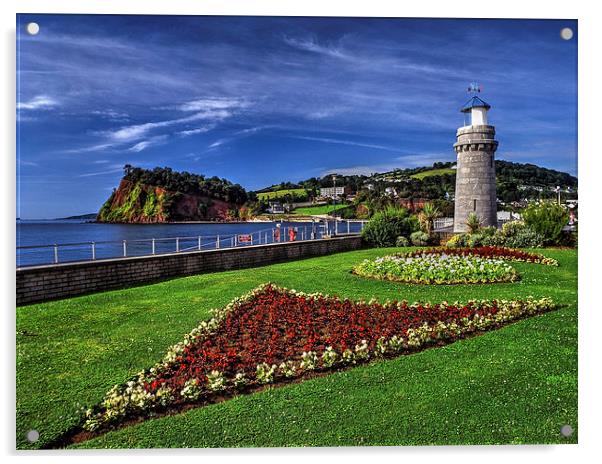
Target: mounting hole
[32, 436]
[566, 33]
[566, 431]
[32, 28]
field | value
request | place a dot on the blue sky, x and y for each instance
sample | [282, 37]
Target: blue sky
[263, 100]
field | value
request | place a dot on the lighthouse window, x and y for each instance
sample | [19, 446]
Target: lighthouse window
[474, 205]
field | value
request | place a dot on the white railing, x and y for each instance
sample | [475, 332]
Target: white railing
[90, 251]
[442, 223]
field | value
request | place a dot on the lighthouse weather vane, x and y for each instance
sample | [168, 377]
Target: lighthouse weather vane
[474, 88]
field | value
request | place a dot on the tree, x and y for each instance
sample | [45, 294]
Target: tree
[547, 218]
[386, 225]
[427, 217]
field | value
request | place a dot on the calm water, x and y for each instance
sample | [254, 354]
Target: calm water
[138, 237]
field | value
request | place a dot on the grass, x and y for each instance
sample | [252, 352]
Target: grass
[295, 193]
[322, 209]
[514, 385]
[433, 172]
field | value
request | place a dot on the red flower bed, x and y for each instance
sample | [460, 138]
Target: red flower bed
[276, 326]
[274, 333]
[488, 252]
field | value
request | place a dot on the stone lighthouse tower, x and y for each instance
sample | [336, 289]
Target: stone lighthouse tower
[475, 174]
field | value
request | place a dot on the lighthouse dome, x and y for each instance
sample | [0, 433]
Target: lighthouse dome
[474, 102]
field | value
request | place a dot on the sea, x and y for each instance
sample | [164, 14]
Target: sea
[70, 240]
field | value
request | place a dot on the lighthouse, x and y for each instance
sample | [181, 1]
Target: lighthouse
[475, 173]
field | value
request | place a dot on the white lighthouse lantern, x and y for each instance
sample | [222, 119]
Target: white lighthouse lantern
[477, 109]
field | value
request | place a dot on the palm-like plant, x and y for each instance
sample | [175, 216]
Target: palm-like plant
[427, 217]
[474, 223]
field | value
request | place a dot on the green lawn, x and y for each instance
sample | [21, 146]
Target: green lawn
[295, 193]
[322, 209]
[433, 172]
[514, 385]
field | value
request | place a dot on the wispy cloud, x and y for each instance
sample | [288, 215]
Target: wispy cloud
[214, 111]
[198, 130]
[345, 142]
[237, 135]
[28, 163]
[218, 143]
[311, 44]
[113, 169]
[213, 104]
[138, 131]
[111, 115]
[39, 102]
[148, 143]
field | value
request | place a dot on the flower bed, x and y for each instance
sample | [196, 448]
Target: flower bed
[274, 334]
[437, 268]
[492, 252]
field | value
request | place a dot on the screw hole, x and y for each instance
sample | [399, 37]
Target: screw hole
[566, 431]
[32, 28]
[33, 436]
[566, 33]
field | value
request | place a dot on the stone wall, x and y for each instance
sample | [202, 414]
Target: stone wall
[475, 176]
[41, 283]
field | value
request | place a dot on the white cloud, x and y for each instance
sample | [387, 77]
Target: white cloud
[423, 159]
[217, 143]
[312, 45]
[198, 130]
[212, 104]
[345, 142]
[91, 148]
[40, 102]
[114, 168]
[112, 115]
[27, 163]
[148, 143]
[237, 135]
[138, 131]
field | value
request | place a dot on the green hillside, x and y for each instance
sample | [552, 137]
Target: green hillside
[298, 194]
[433, 172]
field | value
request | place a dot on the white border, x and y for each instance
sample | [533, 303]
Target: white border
[590, 169]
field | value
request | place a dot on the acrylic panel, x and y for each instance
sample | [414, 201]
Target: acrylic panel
[295, 231]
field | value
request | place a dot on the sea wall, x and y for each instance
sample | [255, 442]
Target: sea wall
[49, 282]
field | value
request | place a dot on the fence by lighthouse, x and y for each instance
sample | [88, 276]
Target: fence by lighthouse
[56, 253]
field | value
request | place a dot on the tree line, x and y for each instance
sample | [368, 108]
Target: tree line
[188, 183]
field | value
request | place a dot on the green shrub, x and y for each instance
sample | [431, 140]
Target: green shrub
[474, 223]
[419, 238]
[509, 229]
[496, 239]
[414, 224]
[488, 231]
[346, 213]
[547, 219]
[476, 240]
[525, 238]
[385, 226]
[458, 241]
[402, 242]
